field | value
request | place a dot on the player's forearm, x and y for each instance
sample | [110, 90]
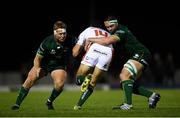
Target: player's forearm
[76, 50]
[37, 61]
[101, 41]
[105, 41]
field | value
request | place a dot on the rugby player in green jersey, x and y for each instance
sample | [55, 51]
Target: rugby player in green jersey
[51, 57]
[138, 60]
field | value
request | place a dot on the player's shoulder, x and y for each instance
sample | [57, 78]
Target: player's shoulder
[86, 30]
[94, 28]
[48, 39]
[90, 28]
[122, 29]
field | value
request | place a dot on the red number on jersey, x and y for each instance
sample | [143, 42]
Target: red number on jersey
[101, 33]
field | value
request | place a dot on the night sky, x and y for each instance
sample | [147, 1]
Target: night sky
[25, 24]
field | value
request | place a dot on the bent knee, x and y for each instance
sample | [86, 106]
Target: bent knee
[59, 86]
[124, 76]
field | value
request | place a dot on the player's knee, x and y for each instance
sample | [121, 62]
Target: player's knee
[59, 84]
[79, 79]
[122, 76]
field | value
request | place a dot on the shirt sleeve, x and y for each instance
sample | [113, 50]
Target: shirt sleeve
[82, 38]
[42, 49]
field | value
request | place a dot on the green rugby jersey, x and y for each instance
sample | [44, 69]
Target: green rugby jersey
[54, 54]
[129, 44]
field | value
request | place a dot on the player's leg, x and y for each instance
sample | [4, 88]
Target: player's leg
[87, 64]
[153, 97]
[85, 95]
[102, 64]
[81, 73]
[86, 82]
[127, 75]
[59, 77]
[135, 69]
[91, 59]
[29, 82]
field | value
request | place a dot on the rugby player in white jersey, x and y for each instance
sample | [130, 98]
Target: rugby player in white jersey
[94, 63]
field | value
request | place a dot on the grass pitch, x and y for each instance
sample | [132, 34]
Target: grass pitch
[98, 105]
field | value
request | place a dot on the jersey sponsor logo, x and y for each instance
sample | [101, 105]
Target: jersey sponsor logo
[136, 56]
[53, 51]
[99, 52]
[58, 47]
[105, 66]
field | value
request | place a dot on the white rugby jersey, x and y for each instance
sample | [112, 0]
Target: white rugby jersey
[92, 32]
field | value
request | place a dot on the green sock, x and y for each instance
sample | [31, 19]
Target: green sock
[85, 95]
[22, 94]
[139, 90]
[54, 95]
[80, 79]
[127, 88]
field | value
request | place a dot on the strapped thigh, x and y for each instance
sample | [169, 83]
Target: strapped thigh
[131, 68]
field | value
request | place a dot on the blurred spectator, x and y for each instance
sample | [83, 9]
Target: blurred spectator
[158, 68]
[170, 70]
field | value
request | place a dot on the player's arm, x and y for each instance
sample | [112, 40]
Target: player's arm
[37, 64]
[39, 55]
[79, 45]
[76, 50]
[37, 60]
[105, 41]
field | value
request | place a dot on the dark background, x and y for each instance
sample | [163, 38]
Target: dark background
[25, 24]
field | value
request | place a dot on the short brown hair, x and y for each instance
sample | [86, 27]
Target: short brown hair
[59, 24]
[110, 17]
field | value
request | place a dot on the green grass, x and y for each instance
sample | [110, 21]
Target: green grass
[99, 104]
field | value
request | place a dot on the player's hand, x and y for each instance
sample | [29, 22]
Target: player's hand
[87, 45]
